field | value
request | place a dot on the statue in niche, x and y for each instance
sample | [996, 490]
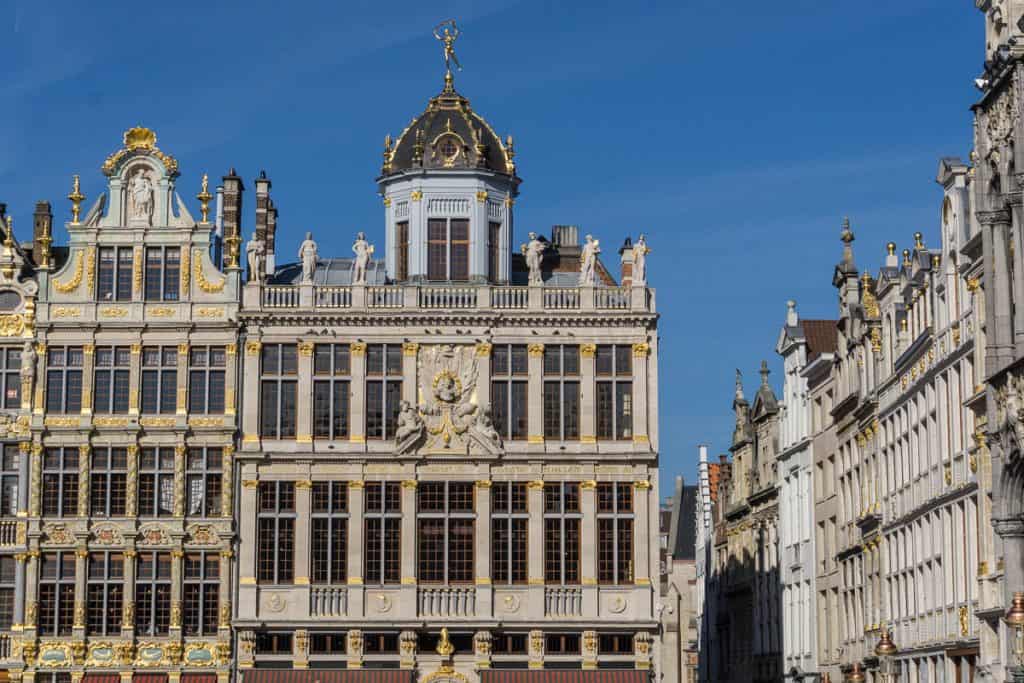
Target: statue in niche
[308, 256]
[410, 428]
[363, 251]
[534, 253]
[640, 252]
[588, 261]
[28, 361]
[256, 255]
[140, 197]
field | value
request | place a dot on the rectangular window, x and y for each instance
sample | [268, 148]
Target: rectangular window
[437, 249]
[108, 482]
[111, 380]
[60, 482]
[64, 379]
[459, 236]
[275, 543]
[200, 594]
[8, 574]
[562, 393]
[156, 482]
[402, 251]
[114, 280]
[383, 389]
[163, 270]
[331, 391]
[329, 542]
[159, 379]
[56, 593]
[448, 249]
[383, 536]
[204, 479]
[153, 594]
[562, 644]
[278, 400]
[9, 479]
[105, 593]
[509, 535]
[206, 368]
[562, 533]
[10, 376]
[445, 521]
[494, 273]
[509, 644]
[615, 532]
[614, 396]
[509, 384]
[273, 643]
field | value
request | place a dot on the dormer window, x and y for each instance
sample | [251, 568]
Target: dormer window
[448, 249]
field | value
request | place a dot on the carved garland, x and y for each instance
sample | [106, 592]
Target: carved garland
[76, 279]
[184, 274]
[204, 284]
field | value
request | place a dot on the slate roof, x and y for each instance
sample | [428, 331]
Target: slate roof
[329, 271]
[684, 546]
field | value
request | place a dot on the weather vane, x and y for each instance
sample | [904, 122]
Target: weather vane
[447, 33]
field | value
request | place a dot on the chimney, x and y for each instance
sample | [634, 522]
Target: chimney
[565, 235]
[42, 233]
[792, 319]
[232, 223]
[271, 235]
[626, 262]
[262, 199]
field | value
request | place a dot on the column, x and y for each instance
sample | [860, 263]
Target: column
[535, 560]
[179, 480]
[247, 542]
[31, 586]
[182, 405]
[642, 533]
[87, 367]
[24, 476]
[304, 414]
[303, 507]
[588, 549]
[81, 568]
[357, 429]
[1017, 268]
[177, 555]
[227, 486]
[409, 602]
[535, 395]
[230, 378]
[224, 595]
[83, 480]
[1001, 330]
[40, 399]
[478, 236]
[588, 412]
[19, 591]
[134, 378]
[356, 567]
[131, 494]
[483, 373]
[482, 560]
[410, 351]
[641, 397]
[36, 485]
[251, 409]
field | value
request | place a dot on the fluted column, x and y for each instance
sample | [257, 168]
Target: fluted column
[304, 412]
[357, 357]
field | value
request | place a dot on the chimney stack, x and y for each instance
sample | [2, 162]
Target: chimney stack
[262, 199]
[271, 235]
[626, 262]
[232, 217]
[792, 318]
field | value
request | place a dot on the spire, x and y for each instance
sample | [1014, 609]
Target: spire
[764, 373]
[847, 238]
[739, 385]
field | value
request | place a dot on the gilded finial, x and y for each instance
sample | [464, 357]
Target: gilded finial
[890, 248]
[866, 278]
[76, 198]
[510, 154]
[447, 33]
[906, 257]
[444, 646]
[936, 259]
[918, 240]
[204, 198]
[386, 166]
[9, 235]
[903, 325]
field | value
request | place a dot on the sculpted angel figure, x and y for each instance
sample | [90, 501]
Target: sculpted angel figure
[308, 256]
[447, 32]
[534, 253]
[485, 426]
[588, 260]
[256, 254]
[640, 252]
[409, 422]
[140, 191]
[363, 251]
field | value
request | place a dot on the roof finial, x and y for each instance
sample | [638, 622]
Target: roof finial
[847, 237]
[918, 241]
[447, 32]
[739, 384]
[764, 373]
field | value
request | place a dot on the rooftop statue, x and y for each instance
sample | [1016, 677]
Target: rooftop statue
[308, 256]
[588, 261]
[640, 252]
[363, 251]
[534, 253]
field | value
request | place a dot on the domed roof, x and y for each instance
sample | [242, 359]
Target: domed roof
[449, 135]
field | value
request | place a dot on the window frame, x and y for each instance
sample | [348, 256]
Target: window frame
[120, 278]
[449, 518]
[112, 378]
[335, 518]
[10, 467]
[108, 482]
[164, 394]
[338, 381]
[279, 378]
[62, 611]
[565, 516]
[447, 248]
[10, 377]
[515, 555]
[402, 251]
[65, 475]
[198, 616]
[158, 585]
[8, 584]
[67, 399]
[556, 409]
[617, 424]
[207, 381]
[618, 519]
[108, 586]
[208, 473]
[166, 275]
[387, 568]
[390, 381]
[510, 389]
[160, 473]
[275, 520]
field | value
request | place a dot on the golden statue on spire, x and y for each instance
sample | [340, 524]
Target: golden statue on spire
[447, 33]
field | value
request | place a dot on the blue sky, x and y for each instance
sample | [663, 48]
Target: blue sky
[736, 135]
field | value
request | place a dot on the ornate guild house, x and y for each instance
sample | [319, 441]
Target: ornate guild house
[436, 463]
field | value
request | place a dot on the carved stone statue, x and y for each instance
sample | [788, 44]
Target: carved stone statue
[363, 251]
[588, 261]
[485, 427]
[140, 196]
[640, 251]
[28, 361]
[308, 256]
[256, 255]
[410, 428]
[534, 253]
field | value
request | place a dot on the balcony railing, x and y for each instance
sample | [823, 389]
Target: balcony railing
[9, 534]
[447, 297]
[563, 602]
[447, 602]
[328, 601]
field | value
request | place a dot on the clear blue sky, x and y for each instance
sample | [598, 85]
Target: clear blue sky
[736, 135]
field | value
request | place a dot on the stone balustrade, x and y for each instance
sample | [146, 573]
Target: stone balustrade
[563, 602]
[447, 602]
[328, 601]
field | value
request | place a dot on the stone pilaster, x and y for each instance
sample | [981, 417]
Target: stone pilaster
[357, 356]
[177, 555]
[230, 379]
[19, 591]
[483, 540]
[181, 406]
[589, 647]
[482, 647]
[640, 395]
[39, 404]
[535, 394]
[81, 570]
[247, 608]
[407, 649]
[303, 507]
[408, 603]
[535, 560]
[134, 378]
[588, 407]
[355, 649]
[588, 549]
[641, 534]
[24, 476]
[225, 593]
[304, 414]
[31, 590]
[300, 649]
[251, 409]
[356, 508]
[84, 454]
[88, 358]
[536, 649]
[410, 351]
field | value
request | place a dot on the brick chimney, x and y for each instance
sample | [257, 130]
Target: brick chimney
[626, 262]
[271, 235]
[42, 232]
[232, 215]
[262, 201]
